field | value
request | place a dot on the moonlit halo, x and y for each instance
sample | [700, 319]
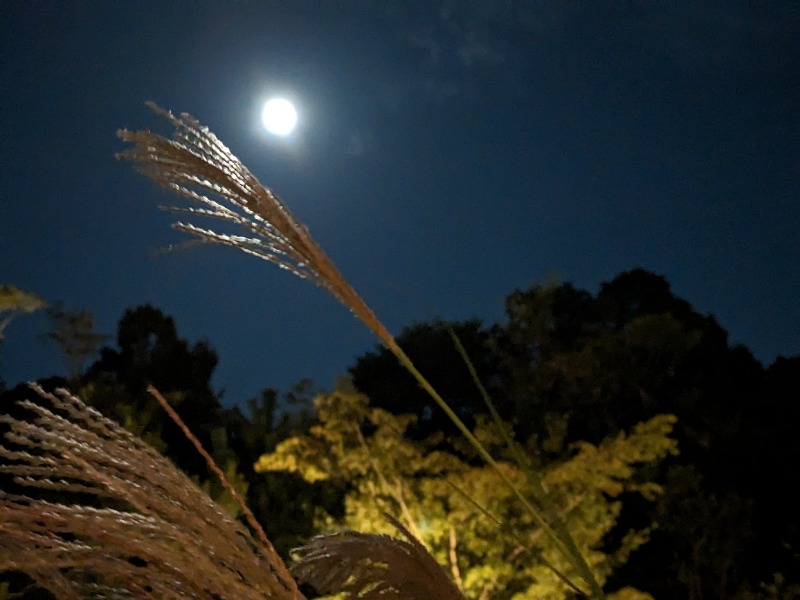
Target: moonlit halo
[279, 116]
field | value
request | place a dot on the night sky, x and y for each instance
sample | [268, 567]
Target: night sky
[447, 153]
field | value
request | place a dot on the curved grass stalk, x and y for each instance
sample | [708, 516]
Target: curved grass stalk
[214, 468]
[196, 165]
[485, 511]
[531, 475]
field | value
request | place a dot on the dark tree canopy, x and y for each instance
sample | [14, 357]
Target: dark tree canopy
[75, 335]
[149, 351]
[564, 365]
[568, 365]
[379, 376]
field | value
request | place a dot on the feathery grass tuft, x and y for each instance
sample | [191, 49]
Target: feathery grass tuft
[373, 567]
[196, 165]
[126, 523]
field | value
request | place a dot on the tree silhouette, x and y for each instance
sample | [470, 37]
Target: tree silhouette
[149, 352]
[75, 335]
[379, 376]
[569, 365]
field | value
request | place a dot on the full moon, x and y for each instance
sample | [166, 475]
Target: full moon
[279, 116]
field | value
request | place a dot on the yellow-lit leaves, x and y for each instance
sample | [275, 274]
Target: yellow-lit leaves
[609, 467]
[14, 301]
[434, 493]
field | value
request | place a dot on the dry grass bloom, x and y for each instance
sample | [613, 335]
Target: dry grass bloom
[374, 567]
[195, 164]
[91, 511]
[94, 512]
[88, 510]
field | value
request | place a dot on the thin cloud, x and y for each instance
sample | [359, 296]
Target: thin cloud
[359, 143]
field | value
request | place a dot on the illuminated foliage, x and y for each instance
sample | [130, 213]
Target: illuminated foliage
[440, 495]
[13, 302]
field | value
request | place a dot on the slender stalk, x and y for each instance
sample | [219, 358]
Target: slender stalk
[534, 511]
[251, 519]
[195, 164]
[514, 537]
[535, 481]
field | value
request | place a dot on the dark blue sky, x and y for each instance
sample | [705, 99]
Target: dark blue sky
[447, 153]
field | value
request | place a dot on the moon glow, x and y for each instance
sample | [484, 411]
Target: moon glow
[279, 116]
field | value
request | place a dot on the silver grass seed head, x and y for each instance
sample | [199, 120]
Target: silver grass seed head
[95, 512]
[197, 166]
